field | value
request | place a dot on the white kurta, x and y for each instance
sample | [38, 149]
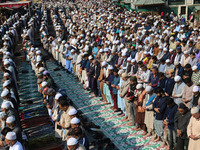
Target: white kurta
[194, 129]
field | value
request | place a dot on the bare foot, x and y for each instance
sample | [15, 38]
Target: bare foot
[130, 124]
[156, 140]
[138, 129]
[148, 135]
[153, 139]
[167, 147]
[112, 108]
[163, 145]
[125, 119]
[144, 133]
[134, 128]
[122, 115]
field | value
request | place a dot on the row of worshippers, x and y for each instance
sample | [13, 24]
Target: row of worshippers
[11, 130]
[104, 53]
[68, 124]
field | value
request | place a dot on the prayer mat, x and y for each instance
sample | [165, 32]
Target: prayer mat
[35, 120]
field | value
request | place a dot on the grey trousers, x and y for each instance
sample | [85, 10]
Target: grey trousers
[132, 109]
[98, 87]
[171, 139]
[159, 128]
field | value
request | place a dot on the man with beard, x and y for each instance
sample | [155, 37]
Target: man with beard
[11, 140]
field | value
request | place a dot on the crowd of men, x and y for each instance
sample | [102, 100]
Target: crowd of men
[10, 126]
[145, 67]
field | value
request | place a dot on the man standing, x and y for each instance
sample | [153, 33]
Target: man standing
[193, 130]
[181, 121]
[159, 107]
[65, 118]
[169, 121]
[178, 90]
[148, 106]
[101, 80]
[123, 91]
[187, 92]
[97, 68]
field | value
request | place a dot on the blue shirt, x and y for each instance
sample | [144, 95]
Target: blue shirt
[115, 82]
[85, 64]
[95, 50]
[177, 28]
[154, 80]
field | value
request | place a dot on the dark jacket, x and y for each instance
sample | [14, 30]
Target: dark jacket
[110, 79]
[114, 60]
[91, 70]
[169, 86]
[181, 122]
[170, 113]
[97, 69]
[85, 64]
[180, 70]
[162, 82]
[159, 103]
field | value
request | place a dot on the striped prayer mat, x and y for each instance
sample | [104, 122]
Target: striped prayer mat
[35, 120]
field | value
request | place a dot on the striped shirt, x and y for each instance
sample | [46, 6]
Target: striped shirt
[196, 78]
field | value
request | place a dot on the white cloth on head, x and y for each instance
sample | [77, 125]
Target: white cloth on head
[5, 92]
[194, 110]
[177, 78]
[10, 119]
[148, 88]
[5, 105]
[75, 120]
[58, 95]
[44, 83]
[11, 136]
[72, 112]
[195, 89]
[72, 141]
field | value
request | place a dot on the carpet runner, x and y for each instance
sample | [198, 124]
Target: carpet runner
[122, 135]
[35, 120]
